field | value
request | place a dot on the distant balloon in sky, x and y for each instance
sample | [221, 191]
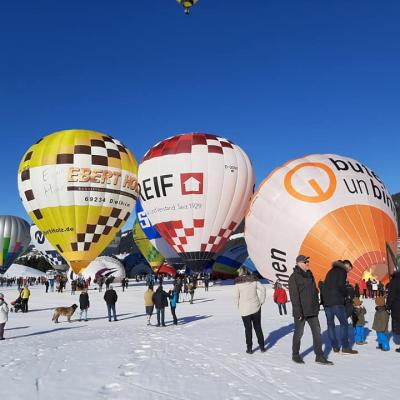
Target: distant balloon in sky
[195, 189]
[327, 207]
[14, 239]
[79, 187]
[187, 5]
[44, 247]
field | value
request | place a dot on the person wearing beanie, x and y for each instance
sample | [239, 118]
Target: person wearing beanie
[358, 317]
[334, 294]
[249, 297]
[3, 315]
[381, 323]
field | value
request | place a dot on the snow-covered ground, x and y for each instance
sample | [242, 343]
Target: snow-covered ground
[201, 358]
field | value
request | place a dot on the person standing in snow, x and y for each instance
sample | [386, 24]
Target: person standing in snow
[393, 304]
[192, 287]
[335, 293]
[3, 315]
[173, 300]
[148, 302]
[25, 294]
[46, 283]
[206, 282]
[280, 298]
[305, 304]
[160, 299]
[84, 304]
[358, 316]
[381, 323]
[249, 297]
[111, 297]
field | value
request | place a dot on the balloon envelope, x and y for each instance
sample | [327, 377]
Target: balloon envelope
[195, 189]
[104, 266]
[14, 239]
[158, 243]
[79, 187]
[327, 207]
[149, 252]
[44, 247]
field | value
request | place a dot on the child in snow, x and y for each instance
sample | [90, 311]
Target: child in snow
[358, 316]
[280, 297]
[380, 325]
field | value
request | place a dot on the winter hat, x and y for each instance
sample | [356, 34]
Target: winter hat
[301, 258]
[357, 302]
[380, 301]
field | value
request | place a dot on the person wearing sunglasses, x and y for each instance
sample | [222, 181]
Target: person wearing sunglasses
[305, 305]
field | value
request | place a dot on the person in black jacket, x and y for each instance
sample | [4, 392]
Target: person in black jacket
[83, 304]
[305, 304]
[160, 300]
[111, 297]
[393, 303]
[335, 294]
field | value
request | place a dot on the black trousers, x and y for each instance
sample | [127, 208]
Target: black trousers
[253, 321]
[24, 305]
[313, 322]
[161, 313]
[174, 315]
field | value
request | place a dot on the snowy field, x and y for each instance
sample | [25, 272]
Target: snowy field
[201, 358]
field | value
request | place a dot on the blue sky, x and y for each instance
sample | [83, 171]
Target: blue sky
[279, 78]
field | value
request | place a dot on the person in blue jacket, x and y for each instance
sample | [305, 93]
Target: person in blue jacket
[173, 300]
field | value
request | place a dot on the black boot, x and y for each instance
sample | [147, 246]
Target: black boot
[249, 350]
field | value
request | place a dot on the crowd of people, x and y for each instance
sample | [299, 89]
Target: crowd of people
[335, 295]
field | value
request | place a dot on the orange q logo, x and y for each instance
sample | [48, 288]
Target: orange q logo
[308, 172]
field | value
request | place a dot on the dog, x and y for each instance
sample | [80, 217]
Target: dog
[65, 311]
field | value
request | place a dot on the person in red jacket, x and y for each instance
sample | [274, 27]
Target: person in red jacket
[363, 288]
[280, 298]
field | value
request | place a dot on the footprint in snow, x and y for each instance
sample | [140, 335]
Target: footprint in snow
[139, 351]
[111, 387]
[128, 365]
[313, 379]
[334, 391]
[146, 346]
[129, 373]
[62, 370]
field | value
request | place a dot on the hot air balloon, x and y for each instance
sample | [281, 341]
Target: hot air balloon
[136, 264]
[149, 252]
[187, 5]
[79, 187]
[327, 207]
[43, 246]
[14, 239]
[232, 257]
[105, 267]
[195, 189]
[159, 245]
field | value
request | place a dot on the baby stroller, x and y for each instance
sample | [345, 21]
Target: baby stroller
[16, 305]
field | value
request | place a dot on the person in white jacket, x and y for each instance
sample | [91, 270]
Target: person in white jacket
[3, 315]
[249, 297]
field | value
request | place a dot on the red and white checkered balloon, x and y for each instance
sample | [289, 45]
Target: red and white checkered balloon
[195, 189]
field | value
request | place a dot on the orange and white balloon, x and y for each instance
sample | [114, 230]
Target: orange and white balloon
[327, 207]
